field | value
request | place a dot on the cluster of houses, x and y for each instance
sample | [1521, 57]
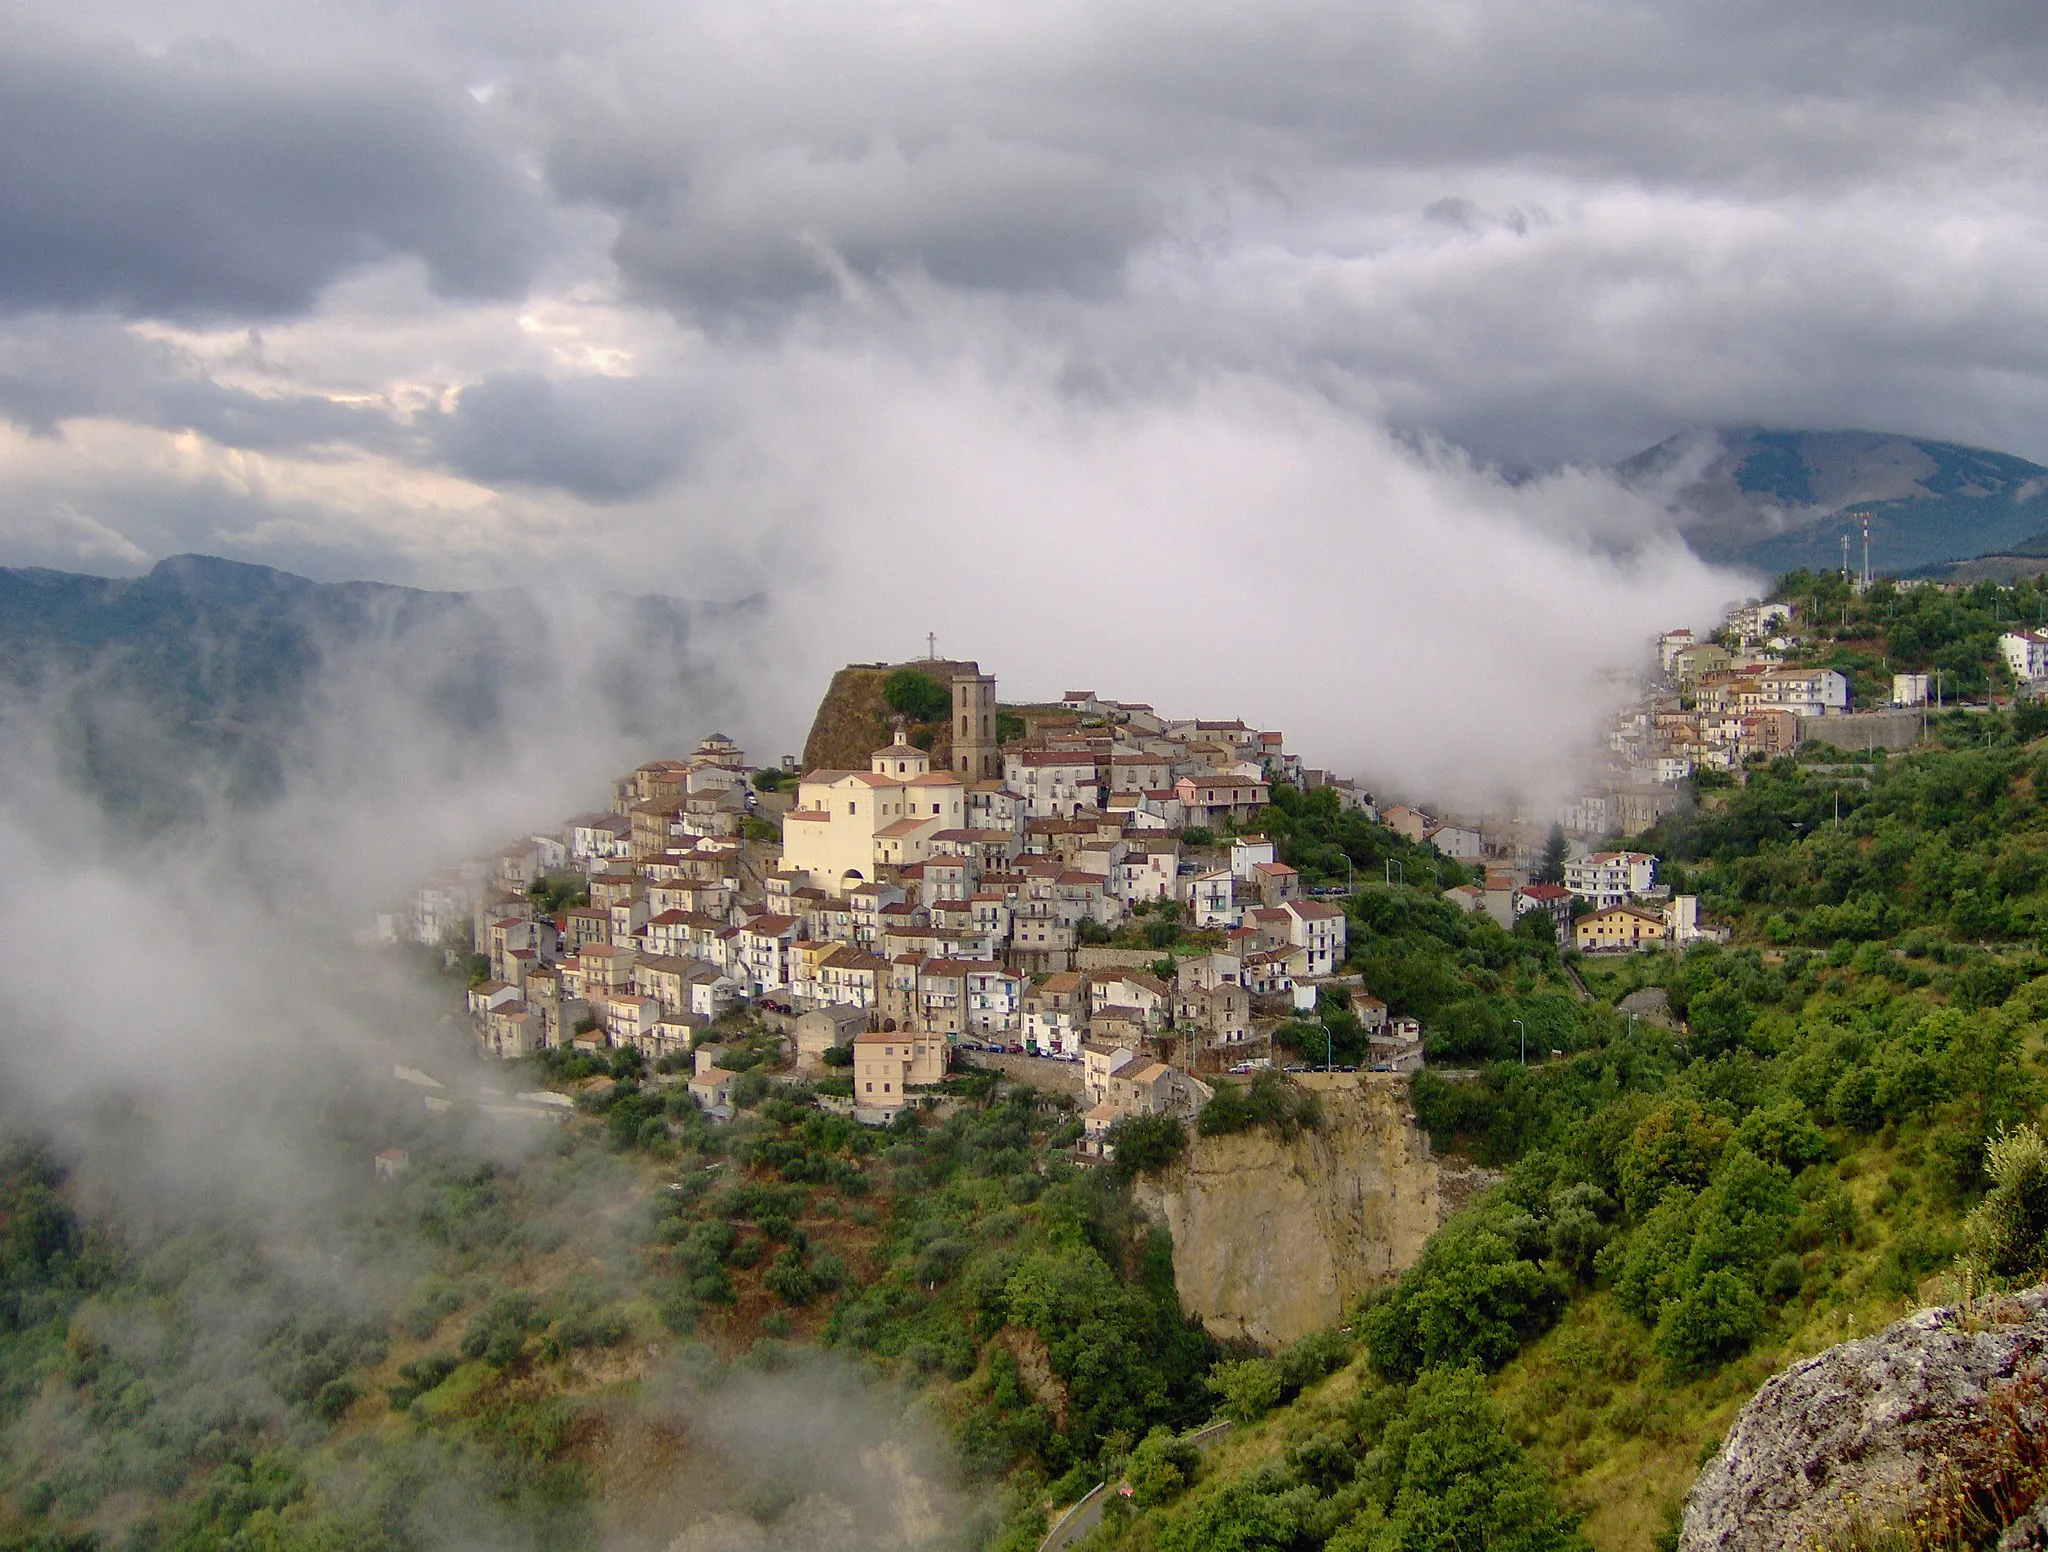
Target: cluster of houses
[1715, 702]
[1609, 902]
[919, 905]
[1720, 704]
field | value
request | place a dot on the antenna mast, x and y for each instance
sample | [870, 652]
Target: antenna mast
[1866, 553]
[1845, 557]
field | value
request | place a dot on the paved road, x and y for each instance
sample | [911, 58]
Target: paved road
[1087, 1513]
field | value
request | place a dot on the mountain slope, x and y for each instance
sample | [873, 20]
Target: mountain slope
[1779, 499]
[188, 686]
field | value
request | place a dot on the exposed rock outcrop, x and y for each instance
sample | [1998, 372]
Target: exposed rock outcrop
[1873, 1427]
[1272, 1238]
[853, 720]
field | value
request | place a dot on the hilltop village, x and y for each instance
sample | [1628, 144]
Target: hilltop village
[973, 892]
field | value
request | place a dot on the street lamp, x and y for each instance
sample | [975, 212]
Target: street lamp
[1524, 1028]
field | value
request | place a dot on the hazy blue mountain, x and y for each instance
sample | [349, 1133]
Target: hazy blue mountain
[1778, 499]
[187, 687]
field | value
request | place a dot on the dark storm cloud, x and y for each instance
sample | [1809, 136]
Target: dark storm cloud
[196, 184]
[780, 222]
[1548, 230]
[1545, 230]
[604, 439]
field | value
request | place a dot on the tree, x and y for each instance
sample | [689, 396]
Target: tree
[2008, 1231]
[1472, 1298]
[917, 695]
[1675, 1144]
[1447, 1474]
[1248, 1389]
[1144, 1144]
[1551, 869]
[1160, 1467]
[1714, 1319]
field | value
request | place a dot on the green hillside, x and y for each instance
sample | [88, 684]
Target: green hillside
[1790, 1160]
[185, 689]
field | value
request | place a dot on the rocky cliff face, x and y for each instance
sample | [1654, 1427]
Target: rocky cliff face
[1272, 1238]
[1884, 1428]
[853, 720]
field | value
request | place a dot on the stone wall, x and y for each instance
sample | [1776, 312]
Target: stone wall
[1866, 729]
[1039, 1071]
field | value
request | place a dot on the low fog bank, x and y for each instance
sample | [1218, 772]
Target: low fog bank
[189, 956]
[189, 1030]
[1222, 545]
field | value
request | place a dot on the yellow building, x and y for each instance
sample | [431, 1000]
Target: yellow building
[830, 836]
[1618, 928]
[885, 1065]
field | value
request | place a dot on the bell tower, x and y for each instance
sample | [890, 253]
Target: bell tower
[977, 755]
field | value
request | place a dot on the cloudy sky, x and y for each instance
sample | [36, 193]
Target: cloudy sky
[905, 312]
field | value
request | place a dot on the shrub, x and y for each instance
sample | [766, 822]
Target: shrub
[1147, 1144]
[419, 1377]
[1714, 1319]
[1783, 1278]
[334, 1399]
[1249, 1388]
[789, 1279]
[2006, 1234]
[1160, 1467]
[497, 1334]
[917, 695]
[1269, 1100]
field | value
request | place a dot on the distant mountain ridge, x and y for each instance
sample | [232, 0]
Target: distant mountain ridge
[1775, 499]
[187, 687]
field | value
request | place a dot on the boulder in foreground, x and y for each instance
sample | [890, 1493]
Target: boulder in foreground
[1945, 1412]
